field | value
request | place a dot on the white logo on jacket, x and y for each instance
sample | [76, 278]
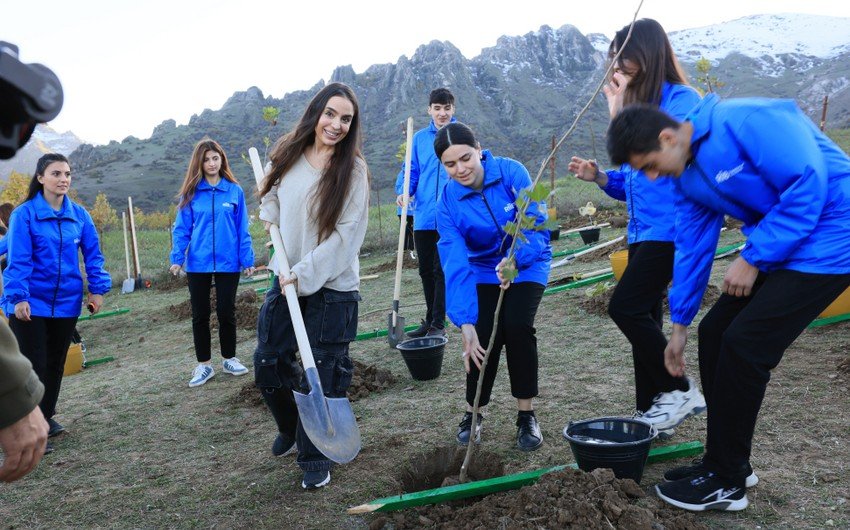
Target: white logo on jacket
[724, 175]
[228, 205]
[510, 206]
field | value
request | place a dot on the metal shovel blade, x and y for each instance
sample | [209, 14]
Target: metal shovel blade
[128, 286]
[395, 333]
[329, 422]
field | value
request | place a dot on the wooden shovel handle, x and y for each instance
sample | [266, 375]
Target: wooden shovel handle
[403, 224]
[283, 266]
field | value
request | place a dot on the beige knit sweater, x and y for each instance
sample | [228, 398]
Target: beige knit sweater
[334, 263]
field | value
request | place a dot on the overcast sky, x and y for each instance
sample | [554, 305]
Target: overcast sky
[126, 65]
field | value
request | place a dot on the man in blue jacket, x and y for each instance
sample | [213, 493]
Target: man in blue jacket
[764, 162]
[427, 179]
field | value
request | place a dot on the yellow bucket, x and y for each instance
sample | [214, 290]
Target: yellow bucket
[841, 306]
[74, 360]
[619, 260]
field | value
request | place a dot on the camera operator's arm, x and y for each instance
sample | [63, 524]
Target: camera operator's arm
[23, 431]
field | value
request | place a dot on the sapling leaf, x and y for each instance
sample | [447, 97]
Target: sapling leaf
[539, 193]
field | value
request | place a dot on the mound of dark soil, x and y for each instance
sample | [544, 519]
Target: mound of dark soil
[564, 499]
[598, 304]
[368, 379]
[389, 266]
[168, 282]
[247, 310]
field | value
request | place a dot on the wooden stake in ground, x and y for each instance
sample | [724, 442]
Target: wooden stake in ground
[137, 269]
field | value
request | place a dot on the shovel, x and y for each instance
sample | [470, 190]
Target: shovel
[129, 284]
[328, 422]
[395, 322]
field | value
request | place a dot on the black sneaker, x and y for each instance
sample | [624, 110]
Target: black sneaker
[528, 435]
[702, 492]
[434, 331]
[314, 480]
[421, 331]
[48, 448]
[696, 468]
[54, 428]
[283, 445]
[465, 426]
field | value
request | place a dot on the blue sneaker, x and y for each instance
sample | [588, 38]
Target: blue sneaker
[201, 374]
[233, 366]
[314, 480]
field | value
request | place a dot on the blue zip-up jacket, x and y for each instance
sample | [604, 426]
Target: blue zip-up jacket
[427, 178]
[650, 216]
[764, 162]
[473, 241]
[43, 259]
[214, 228]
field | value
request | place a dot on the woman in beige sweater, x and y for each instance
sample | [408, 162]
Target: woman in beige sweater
[317, 191]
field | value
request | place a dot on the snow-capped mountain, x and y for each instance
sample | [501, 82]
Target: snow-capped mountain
[43, 140]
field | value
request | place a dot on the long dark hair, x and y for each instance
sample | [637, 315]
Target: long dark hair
[649, 49]
[196, 170]
[455, 133]
[332, 190]
[40, 167]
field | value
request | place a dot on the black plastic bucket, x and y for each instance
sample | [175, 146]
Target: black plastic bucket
[621, 444]
[591, 235]
[555, 235]
[423, 356]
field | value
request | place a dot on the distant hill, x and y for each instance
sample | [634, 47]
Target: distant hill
[517, 95]
[43, 140]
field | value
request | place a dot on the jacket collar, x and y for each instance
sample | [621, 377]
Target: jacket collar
[433, 128]
[700, 118]
[43, 210]
[491, 174]
[204, 185]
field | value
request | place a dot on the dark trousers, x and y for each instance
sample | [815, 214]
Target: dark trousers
[330, 318]
[408, 233]
[431, 273]
[45, 341]
[515, 332]
[637, 307]
[226, 285]
[740, 341]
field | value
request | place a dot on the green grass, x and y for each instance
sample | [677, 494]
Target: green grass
[145, 451]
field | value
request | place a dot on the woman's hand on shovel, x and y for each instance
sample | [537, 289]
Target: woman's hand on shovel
[471, 347]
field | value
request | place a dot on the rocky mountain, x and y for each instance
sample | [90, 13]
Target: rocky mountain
[517, 95]
[43, 140]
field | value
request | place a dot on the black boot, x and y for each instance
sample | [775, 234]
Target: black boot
[420, 331]
[465, 427]
[528, 435]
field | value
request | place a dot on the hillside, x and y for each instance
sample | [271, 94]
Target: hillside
[517, 94]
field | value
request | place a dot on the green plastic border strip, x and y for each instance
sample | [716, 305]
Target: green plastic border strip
[578, 283]
[94, 362]
[105, 314]
[507, 482]
[818, 322]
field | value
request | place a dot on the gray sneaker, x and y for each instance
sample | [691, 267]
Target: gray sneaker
[669, 409]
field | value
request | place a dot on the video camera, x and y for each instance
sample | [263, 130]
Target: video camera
[29, 94]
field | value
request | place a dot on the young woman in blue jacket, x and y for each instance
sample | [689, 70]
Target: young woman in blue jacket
[210, 240]
[472, 212]
[764, 162]
[43, 286]
[647, 71]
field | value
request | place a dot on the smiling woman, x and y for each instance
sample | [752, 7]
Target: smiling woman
[43, 285]
[317, 188]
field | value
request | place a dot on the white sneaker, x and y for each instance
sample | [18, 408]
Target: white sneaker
[669, 409]
[233, 366]
[201, 374]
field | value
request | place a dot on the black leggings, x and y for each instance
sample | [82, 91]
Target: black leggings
[741, 340]
[431, 273]
[45, 341]
[637, 308]
[226, 284]
[515, 332]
